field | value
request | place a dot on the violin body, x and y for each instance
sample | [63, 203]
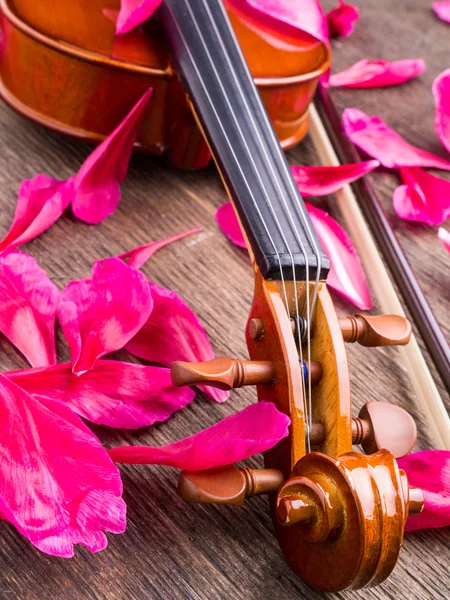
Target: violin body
[62, 66]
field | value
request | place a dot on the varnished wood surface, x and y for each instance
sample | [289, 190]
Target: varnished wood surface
[171, 550]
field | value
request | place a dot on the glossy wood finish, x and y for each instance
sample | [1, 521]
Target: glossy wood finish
[354, 534]
[62, 66]
[382, 330]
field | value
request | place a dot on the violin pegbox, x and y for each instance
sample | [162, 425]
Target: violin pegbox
[339, 515]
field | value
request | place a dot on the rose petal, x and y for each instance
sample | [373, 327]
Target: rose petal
[113, 393]
[378, 73]
[140, 255]
[58, 486]
[250, 431]
[346, 274]
[342, 19]
[133, 13]
[441, 93]
[42, 200]
[305, 16]
[442, 10]
[100, 315]
[28, 303]
[97, 184]
[444, 236]
[423, 197]
[321, 181]
[229, 224]
[376, 139]
[173, 332]
[430, 472]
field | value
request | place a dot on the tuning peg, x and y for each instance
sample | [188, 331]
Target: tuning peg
[383, 330]
[227, 485]
[223, 372]
[383, 425]
[379, 425]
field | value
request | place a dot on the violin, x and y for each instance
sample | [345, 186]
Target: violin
[62, 66]
[339, 515]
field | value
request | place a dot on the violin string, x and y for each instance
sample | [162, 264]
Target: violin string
[255, 203]
[310, 306]
[276, 180]
[268, 202]
[249, 154]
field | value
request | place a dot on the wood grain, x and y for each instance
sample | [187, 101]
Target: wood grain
[171, 550]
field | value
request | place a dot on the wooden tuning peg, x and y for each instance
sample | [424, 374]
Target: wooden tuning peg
[382, 425]
[379, 425]
[223, 372]
[227, 485]
[383, 330]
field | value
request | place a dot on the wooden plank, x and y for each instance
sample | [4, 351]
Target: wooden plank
[207, 552]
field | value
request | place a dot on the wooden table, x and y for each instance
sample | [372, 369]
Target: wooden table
[171, 550]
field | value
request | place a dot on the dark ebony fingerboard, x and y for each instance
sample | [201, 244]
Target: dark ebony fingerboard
[220, 86]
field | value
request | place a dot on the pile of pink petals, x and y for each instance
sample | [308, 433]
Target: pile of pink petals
[58, 486]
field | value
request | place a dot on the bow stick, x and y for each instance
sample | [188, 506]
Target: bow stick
[424, 385]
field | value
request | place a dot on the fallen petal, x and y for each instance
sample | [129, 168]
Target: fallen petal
[378, 140]
[58, 485]
[139, 256]
[442, 10]
[321, 181]
[430, 472]
[113, 393]
[133, 13]
[346, 274]
[42, 200]
[444, 236]
[250, 431]
[342, 19]
[303, 16]
[378, 73]
[423, 197]
[28, 303]
[173, 332]
[100, 315]
[441, 93]
[97, 184]
[229, 224]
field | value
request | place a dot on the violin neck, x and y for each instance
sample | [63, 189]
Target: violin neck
[228, 105]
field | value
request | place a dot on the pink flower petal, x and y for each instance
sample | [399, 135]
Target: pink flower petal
[378, 73]
[321, 181]
[346, 275]
[100, 315]
[97, 184]
[28, 303]
[140, 255]
[229, 224]
[423, 197]
[42, 200]
[442, 9]
[113, 393]
[342, 19]
[376, 139]
[250, 431]
[58, 486]
[173, 332]
[133, 13]
[305, 16]
[444, 236]
[441, 93]
[430, 472]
